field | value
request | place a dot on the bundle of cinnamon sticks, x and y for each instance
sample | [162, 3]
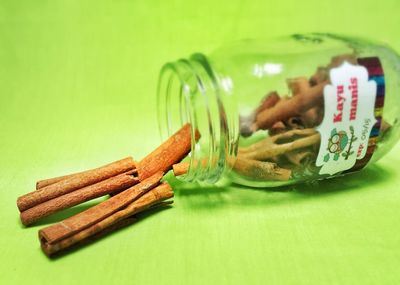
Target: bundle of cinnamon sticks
[136, 187]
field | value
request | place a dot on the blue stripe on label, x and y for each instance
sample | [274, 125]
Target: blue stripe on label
[374, 132]
[381, 90]
[380, 80]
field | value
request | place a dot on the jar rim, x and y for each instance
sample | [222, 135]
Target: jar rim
[188, 92]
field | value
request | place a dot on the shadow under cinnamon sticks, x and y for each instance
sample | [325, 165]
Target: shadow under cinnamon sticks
[124, 224]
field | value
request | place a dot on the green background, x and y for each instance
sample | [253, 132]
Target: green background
[77, 90]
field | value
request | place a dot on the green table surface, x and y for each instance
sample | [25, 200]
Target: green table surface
[77, 90]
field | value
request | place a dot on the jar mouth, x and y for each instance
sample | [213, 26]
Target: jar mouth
[188, 92]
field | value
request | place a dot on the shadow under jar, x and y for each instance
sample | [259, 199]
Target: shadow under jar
[282, 111]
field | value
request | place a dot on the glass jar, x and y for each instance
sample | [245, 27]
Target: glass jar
[276, 112]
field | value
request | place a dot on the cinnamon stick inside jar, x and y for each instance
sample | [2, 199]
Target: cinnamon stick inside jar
[180, 168]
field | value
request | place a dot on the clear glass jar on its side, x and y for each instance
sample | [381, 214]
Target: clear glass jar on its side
[283, 111]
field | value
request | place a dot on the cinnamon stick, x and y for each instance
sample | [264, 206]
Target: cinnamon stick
[321, 75]
[43, 183]
[298, 85]
[46, 182]
[172, 151]
[74, 182]
[277, 128]
[338, 60]
[183, 167]
[268, 101]
[261, 170]
[246, 122]
[292, 107]
[108, 186]
[313, 116]
[149, 199]
[299, 157]
[52, 250]
[276, 139]
[180, 168]
[295, 123]
[247, 167]
[91, 216]
[277, 149]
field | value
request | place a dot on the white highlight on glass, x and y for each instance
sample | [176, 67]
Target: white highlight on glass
[268, 69]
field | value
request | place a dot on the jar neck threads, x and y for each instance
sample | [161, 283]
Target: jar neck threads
[189, 91]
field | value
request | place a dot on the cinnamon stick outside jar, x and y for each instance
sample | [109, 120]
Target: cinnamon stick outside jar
[58, 194]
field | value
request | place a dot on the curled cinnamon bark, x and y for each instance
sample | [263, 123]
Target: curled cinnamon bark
[46, 182]
[93, 215]
[290, 108]
[340, 59]
[168, 153]
[269, 141]
[299, 157]
[108, 186]
[149, 199]
[313, 116]
[277, 149]
[298, 85]
[321, 75]
[277, 128]
[248, 167]
[306, 94]
[43, 183]
[74, 182]
[268, 102]
[261, 170]
[180, 168]
[295, 123]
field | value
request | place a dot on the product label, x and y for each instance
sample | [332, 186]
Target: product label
[350, 125]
